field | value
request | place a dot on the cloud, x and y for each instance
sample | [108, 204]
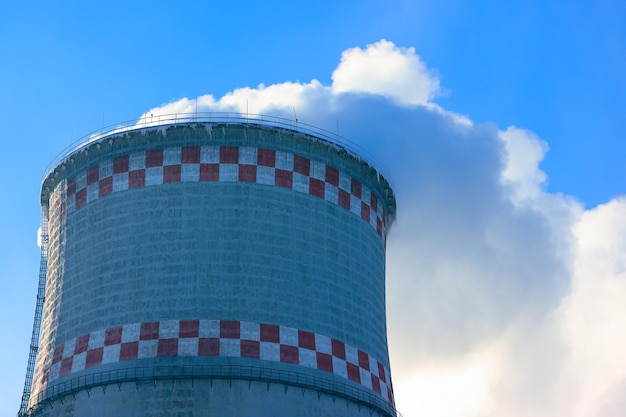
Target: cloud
[383, 68]
[503, 299]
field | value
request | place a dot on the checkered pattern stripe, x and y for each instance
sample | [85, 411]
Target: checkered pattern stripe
[221, 164]
[193, 338]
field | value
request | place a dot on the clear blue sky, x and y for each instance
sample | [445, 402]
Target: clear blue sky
[68, 68]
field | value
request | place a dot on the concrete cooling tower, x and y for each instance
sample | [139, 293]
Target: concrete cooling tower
[222, 266]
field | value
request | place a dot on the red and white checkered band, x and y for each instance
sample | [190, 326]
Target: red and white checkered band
[219, 164]
[230, 338]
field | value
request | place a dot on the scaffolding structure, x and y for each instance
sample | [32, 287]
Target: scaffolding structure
[41, 295]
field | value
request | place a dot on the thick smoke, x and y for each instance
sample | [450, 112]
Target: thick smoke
[502, 299]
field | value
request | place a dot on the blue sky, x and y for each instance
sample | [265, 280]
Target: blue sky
[555, 70]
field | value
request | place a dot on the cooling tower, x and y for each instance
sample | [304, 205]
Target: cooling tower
[224, 267]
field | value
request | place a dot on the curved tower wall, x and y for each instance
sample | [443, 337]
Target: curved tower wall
[214, 268]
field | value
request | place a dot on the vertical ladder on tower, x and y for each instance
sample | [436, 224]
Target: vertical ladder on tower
[41, 295]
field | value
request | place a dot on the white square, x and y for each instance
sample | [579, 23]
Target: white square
[55, 370]
[300, 183]
[352, 355]
[308, 357]
[323, 344]
[136, 161]
[81, 180]
[78, 363]
[154, 176]
[169, 329]
[120, 182]
[68, 348]
[188, 346]
[92, 191]
[96, 340]
[331, 193]
[172, 156]
[229, 172]
[106, 168]
[131, 332]
[249, 331]
[373, 366]
[345, 182]
[147, 349]
[247, 155]
[265, 175]
[209, 329]
[355, 205]
[284, 160]
[318, 170]
[340, 367]
[269, 351]
[111, 353]
[230, 347]
[366, 378]
[209, 155]
[288, 336]
[190, 173]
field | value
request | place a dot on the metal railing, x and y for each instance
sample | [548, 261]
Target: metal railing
[165, 120]
[236, 372]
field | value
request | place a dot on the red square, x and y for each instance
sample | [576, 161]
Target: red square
[270, 333]
[289, 354]
[376, 384]
[154, 158]
[283, 178]
[137, 178]
[167, 347]
[94, 357]
[301, 165]
[93, 174]
[389, 396]
[332, 176]
[324, 362]
[306, 340]
[129, 351]
[354, 374]
[250, 349]
[355, 188]
[82, 343]
[71, 187]
[339, 349]
[266, 157]
[381, 372]
[81, 197]
[374, 201]
[208, 346]
[120, 164]
[191, 155]
[344, 199]
[58, 354]
[379, 226]
[149, 331]
[171, 173]
[229, 329]
[316, 187]
[105, 186]
[364, 360]
[209, 172]
[113, 336]
[247, 173]
[365, 212]
[189, 328]
[66, 366]
[229, 154]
